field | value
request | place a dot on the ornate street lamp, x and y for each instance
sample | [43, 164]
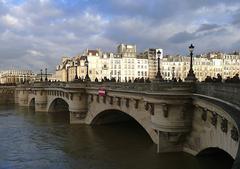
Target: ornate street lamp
[173, 73]
[46, 79]
[119, 76]
[159, 76]
[87, 78]
[76, 76]
[41, 79]
[67, 72]
[191, 76]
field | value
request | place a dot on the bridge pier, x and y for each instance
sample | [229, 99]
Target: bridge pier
[22, 97]
[78, 108]
[173, 122]
[41, 101]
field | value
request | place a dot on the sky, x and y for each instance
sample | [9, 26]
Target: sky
[35, 34]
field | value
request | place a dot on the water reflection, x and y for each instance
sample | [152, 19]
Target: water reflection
[43, 141]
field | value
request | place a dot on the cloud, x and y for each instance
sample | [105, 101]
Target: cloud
[236, 18]
[36, 33]
[11, 21]
[182, 37]
[207, 27]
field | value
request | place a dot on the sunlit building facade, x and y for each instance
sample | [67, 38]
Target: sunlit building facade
[124, 65]
[16, 76]
[211, 64]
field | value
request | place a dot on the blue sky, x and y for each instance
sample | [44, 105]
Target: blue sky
[35, 34]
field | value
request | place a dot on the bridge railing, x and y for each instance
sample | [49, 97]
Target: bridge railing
[225, 91]
[137, 87]
[149, 87]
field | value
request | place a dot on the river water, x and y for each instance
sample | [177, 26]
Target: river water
[30, 140]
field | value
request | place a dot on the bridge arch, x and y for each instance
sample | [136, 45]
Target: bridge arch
[215, 128]
[213, 150]
[218, 157]
[32, 102]
[58, 105]
[107, 116]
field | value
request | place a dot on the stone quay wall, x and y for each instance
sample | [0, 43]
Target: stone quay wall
[7, 95]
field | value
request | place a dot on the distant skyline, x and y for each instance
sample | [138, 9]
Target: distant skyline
[35, 34]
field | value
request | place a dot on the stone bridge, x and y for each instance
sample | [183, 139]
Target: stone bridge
[187, 117]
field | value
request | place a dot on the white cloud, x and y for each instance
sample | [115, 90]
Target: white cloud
[35, 53]
[11, 21]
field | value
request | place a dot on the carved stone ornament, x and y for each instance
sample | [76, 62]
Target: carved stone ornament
[146, 106]
[111, 100]
[97, 98]
[152, 109]
[136, 104]
[165, 110]
[214, 119]
[234, 134]
[119, 101]
[204, 115]
[224, 125]
[127, 102]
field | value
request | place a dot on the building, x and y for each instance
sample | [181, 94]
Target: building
[151, 55]
[16, 76]
[174, 66]
[211, 64]
[128, 55]
[124, 65]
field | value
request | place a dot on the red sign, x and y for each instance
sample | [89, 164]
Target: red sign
[101, 92]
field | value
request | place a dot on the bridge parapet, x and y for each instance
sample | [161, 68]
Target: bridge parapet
[135, 87]
[49, 84]
[224, 91]
[139, 87]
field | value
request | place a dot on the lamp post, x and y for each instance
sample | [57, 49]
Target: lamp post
[119, 76]
[76, 76]
[41, 79]
[87, 78]
[159, 76]
[173, 73]
[191, 76]
[67, 67]
[46, 79]
[27, 78]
